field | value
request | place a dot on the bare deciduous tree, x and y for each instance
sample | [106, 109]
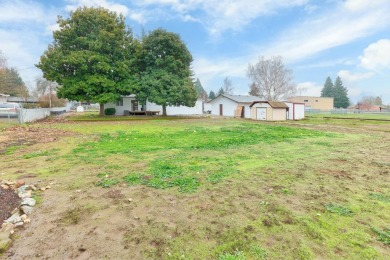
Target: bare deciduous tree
[45, 87]
[272, 80]
[227, 86]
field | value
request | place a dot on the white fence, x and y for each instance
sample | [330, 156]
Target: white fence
[34, 114]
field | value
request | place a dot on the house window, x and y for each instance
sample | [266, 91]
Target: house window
[306, 100]
[119, 103]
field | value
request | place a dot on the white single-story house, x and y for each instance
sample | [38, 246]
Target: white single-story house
[232, 105]
[129, 104]
[296, 111]
[269, 110]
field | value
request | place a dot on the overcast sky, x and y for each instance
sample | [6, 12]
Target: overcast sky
[316, 38]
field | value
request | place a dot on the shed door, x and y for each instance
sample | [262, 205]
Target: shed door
[261, 113]
[220, 109]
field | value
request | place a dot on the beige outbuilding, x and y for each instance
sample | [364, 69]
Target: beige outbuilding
[269, 110]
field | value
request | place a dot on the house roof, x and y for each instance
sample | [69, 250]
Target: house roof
[239, 98]
[273, 104]
[3, 95]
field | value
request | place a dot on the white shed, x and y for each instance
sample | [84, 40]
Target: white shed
[269, 110]
[296, 111]
[232, 105]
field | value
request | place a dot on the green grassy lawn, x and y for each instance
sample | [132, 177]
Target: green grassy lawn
[243, 189]
[375, 116]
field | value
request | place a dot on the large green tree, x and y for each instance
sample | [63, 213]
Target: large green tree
[166, 74]
[341, 99]
[328, 89]
[92, 57]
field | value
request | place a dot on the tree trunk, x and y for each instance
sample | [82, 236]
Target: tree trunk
[101, 111]
[164, 110]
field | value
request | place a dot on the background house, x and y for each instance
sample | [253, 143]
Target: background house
[3, 98]
[323, 103]
[130, 103]
[269, 110]
[232, 105]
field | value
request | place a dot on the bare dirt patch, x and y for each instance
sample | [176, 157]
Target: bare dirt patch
[9, 200]
[29, 135]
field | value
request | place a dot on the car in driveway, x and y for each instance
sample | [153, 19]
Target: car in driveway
[9, 109]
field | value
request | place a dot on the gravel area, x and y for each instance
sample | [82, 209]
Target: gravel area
[9, 200]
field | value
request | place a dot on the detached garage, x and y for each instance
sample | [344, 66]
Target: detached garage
[269, 110]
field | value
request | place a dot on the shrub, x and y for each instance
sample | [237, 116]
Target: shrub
[110, 111]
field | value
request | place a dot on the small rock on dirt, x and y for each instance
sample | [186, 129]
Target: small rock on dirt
[14, 218]
[26, 209]
[28, 201]
[5, 241]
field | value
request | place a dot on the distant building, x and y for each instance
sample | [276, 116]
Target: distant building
[366, 107]
[3, 98]
[323, 103]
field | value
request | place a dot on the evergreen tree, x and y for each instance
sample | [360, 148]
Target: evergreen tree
[328, 89]
[211, 95]
[200, 90]
[341, 99]
[11, 83]
[378, 101]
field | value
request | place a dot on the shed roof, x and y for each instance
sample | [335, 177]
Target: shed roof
[273, 104]
[239, 98]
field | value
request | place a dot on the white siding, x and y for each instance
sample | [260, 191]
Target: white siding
[121, 109]
[296, 111]
[254, 110]
[178, 110]
[247, 112]
[228, 106]
[171, 110]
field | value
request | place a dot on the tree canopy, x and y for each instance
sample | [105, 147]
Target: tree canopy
[92, 57]
[212, 95]
[227, 86]
[272, 79]
[254, 90]
[341, 99]
[328, 89]
[337, 91]
[371, 100]
[166, 74]
[10, 81]
[200, 90]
